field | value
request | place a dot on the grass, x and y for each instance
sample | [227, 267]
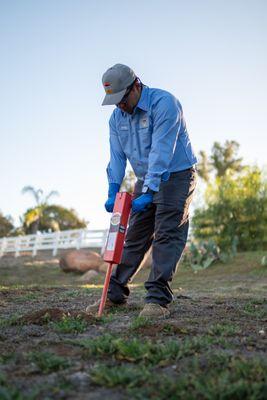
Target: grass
[220, 376]
[140, 322]
[256, 308]
[48, 362]
[70, 325]
[224, 330]
[6, 358]
[9, 392]
[12, 320]
[128, 376]
[27, 297]
[138, 350]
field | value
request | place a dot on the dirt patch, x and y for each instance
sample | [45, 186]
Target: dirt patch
[165, 329]
[45, 315]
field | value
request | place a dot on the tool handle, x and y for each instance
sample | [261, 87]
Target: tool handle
[105, 290]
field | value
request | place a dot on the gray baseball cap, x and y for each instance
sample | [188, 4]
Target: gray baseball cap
[116, 81]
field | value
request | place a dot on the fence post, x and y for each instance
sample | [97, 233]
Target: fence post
[104, 240]
[35, 246]
[17, 244]
[57, 236]
[79, 239]
[3, 246]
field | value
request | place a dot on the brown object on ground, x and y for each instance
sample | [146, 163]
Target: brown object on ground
[80, 261]
[103, 267]
[88, 276]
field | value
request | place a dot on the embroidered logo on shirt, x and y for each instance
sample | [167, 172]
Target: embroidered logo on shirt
[144, 122]
[124, 128]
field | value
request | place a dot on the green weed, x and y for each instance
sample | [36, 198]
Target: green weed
[101, 345]
[223, 378]
[255, 308]
[8, 392]
[27, 297]
[5, 358]
[137, 350]
[125, 375]
[11, 393]
[6, 322]
[171, 329]
[140, 322]
[70, 325]
[223, 330]
[48, 362]
[105, 319]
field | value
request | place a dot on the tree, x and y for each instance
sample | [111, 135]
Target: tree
[39, 195]
[235, 210]
[224, 158]
[6, 225]
[33, 216]
[54, 218]
[204, 167]
[128, 182]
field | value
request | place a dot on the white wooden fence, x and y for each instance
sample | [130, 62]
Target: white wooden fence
[72, 239]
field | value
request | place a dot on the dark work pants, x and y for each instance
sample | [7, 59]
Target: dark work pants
[165, 226]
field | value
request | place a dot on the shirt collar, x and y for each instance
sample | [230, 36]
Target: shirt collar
[143, 101]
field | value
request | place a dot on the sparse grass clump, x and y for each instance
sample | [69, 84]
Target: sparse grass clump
[126, 375]
[216, 376]
[70, 324]
[12, 320]
[224, 330]
[140, 322]
[48, 362]
[138, 350]
[256, 308]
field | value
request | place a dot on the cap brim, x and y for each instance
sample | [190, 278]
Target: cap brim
[115, 98]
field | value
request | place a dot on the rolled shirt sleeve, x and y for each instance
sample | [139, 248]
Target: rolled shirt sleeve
[167, 120]
[117, 164]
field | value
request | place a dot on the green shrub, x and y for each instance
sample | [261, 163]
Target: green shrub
[235, 210]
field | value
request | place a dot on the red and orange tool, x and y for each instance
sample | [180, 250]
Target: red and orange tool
[115, 240]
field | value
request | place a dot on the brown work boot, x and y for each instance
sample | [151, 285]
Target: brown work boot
[153, 310]
[93, 308]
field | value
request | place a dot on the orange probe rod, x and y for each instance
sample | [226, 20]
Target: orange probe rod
[105, 290]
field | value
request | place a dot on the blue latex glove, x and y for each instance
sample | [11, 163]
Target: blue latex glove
[142, 202]
[112, 191]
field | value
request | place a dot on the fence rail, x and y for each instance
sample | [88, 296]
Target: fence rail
[77, 239]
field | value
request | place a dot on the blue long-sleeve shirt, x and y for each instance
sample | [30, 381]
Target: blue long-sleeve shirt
[154, 139]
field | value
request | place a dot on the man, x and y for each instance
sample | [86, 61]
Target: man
[147, 127]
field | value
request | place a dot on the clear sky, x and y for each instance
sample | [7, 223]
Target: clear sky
[54, 132]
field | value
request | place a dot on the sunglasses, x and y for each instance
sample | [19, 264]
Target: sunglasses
[125, 97]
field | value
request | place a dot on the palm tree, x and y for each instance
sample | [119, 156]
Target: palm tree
[34, 215]
[39, 194]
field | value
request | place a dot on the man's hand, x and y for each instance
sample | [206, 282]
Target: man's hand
[112, 191]
[142, 202]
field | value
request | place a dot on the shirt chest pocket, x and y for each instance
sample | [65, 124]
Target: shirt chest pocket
[144, 130]
[123, 133]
